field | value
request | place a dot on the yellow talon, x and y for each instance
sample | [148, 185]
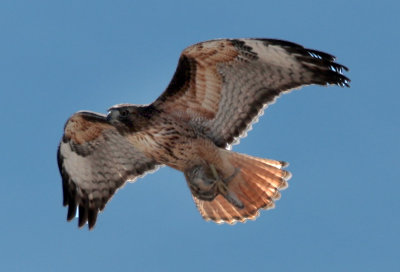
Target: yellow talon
[222, 185]
[214, 171]
[222, 188]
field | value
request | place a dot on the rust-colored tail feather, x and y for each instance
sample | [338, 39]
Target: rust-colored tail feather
[256, 185]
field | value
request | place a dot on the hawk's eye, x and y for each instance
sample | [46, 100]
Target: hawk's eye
[124, 113]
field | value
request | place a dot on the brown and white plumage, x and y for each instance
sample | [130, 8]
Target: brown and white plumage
[95, 160]
[222, 85]
[219, 89]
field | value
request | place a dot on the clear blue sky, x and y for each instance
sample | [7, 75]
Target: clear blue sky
[341, 210]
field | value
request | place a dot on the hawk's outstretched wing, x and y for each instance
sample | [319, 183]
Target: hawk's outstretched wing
[221, 86]
[95, 160]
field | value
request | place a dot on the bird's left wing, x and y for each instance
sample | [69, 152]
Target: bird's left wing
[94, 160]
[221, 86]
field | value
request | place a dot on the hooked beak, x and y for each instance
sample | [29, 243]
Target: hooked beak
[112, 115]
[108, 117]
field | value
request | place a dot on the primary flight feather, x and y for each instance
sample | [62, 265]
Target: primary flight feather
[218, 90]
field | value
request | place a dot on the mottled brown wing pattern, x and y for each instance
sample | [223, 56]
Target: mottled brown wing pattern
[94, 161]
[221, 86]
[195, 90]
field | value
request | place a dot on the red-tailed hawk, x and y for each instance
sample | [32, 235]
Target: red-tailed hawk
[219, 89]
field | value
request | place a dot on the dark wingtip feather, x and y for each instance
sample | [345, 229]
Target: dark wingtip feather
[328, 71]
[70, 200]
[345, 82]
[71, 211]
[64, 176]
[320, 54]
[65, 195]
[284, 164]
[83, 216]
[92, 218]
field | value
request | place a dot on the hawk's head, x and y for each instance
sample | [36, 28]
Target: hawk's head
[122, 114]
[129, 116]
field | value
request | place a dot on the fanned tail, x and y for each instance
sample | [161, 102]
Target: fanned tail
[256, 186]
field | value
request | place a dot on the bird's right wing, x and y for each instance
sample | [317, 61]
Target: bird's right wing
[94, 160]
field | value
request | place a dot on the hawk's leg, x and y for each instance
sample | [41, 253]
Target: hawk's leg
[202, 182]
[205, 183]
[222, 185]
